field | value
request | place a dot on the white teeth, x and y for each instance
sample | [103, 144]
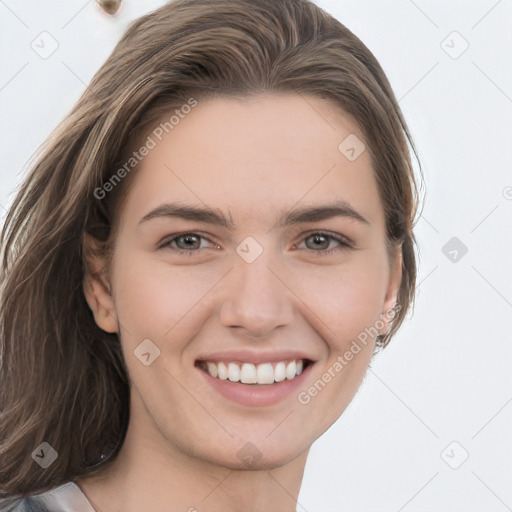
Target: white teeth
[291, 370]
[265, 373]
[223, 371]
[280, 372]
[248, 373]
[233, 372]
[212, 369]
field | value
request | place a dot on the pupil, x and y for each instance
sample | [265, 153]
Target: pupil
[319, 238]
[189, 240]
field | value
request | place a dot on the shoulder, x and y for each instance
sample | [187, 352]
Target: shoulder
[65, 498]
[21, 505]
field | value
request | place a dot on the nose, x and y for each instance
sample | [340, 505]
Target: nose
[258, 299]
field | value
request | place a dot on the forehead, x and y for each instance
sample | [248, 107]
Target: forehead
[256, 156]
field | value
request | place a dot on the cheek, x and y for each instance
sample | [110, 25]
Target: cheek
[346, 298]
[153, 296]
[348, 302]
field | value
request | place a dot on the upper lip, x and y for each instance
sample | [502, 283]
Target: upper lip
[251, 356]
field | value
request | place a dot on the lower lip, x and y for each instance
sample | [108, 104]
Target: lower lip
[257, 395]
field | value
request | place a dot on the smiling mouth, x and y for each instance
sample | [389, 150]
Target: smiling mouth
[249, 373]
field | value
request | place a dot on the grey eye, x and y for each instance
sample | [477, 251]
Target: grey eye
[110, 7]
[189, 241]
[319, 241]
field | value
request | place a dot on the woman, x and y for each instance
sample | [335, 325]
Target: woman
[201, 265]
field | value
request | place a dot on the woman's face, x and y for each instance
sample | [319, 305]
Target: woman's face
[238, 280]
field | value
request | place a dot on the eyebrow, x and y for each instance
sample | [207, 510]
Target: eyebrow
[216, 217]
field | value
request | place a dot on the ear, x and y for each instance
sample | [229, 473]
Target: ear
[391, 298]
[97, 288]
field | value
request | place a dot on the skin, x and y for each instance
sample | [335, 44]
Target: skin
[252, 158]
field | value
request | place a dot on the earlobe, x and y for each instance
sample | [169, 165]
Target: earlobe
[97, 289]
[391, 300]
[97, 294]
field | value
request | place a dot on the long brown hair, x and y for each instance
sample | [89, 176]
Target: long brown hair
[62, 379]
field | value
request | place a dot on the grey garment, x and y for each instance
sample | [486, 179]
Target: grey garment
[66, 498]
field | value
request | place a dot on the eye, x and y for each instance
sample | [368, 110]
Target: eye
[322, 240]
[190, 243]
[187, 243]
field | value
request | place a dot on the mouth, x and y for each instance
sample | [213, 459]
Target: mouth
[258, 383]
[253, 374]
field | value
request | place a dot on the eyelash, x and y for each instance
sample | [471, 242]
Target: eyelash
[344, 244]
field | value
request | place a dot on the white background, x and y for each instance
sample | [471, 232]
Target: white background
[447, 375]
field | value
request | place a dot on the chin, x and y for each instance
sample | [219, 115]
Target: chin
[252, 452]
